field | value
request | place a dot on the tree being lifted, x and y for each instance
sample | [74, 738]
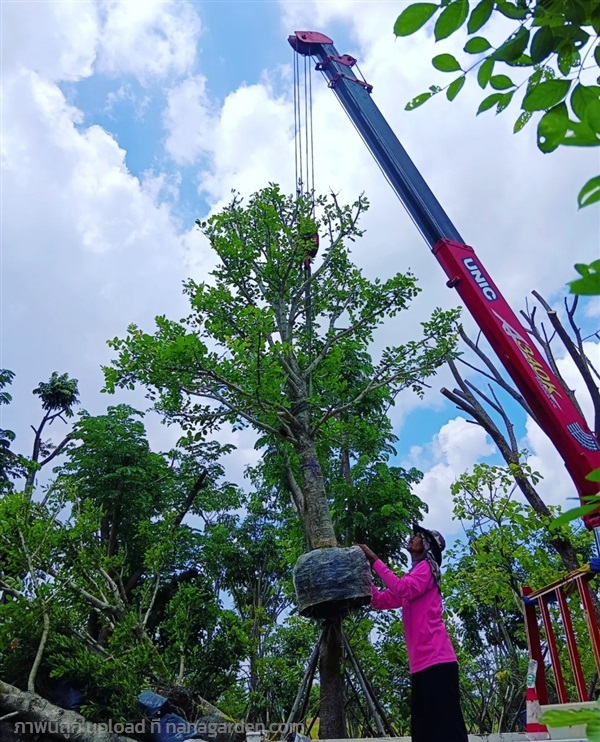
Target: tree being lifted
[253, 354]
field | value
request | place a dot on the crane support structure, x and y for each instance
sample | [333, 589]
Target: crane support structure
[553, 410]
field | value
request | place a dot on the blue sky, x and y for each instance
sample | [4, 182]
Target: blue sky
[101, 188]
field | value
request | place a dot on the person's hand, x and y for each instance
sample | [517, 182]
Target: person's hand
[371, 556]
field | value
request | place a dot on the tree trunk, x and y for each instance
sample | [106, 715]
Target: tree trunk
[332, 716]
[319, 530]
[31, 709]
[317, 517]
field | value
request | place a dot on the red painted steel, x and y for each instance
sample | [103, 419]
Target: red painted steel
[535, 647]
[554, 411]
[309, 37]
[590, 615]
[553, 650]
[565, 615]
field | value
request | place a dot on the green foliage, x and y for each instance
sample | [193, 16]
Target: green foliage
[551, 46]
[12, 465]
[446, 63]
[507, 545]
[574, 717]
[59, 394]
[110, 562]
[590, 505]
[589, 283]
[413, 18]
[245, 353]
[453, 15]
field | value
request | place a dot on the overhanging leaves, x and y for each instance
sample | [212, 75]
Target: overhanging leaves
[446, 63]
[545, 95]
[455, 87]
[552, 128]
[590, 193]
[413, 18]
[589, 283]
[480, 15]
[477, 45]
[451, 18]
[514, 47]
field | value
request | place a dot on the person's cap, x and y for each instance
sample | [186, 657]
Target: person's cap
[436, 541]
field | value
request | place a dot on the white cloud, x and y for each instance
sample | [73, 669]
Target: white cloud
[453, 449]
[63, 45]
[252, 143]
[148, 39]
[592, 307]
[69, 40]
[125, 93]
[189, 120]
[87, 247]
[574, 380]
[556, 487]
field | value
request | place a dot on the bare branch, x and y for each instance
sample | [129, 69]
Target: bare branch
[33, 708]
[113, 587]
[370, 387]
[10, 591]
[152, 601]
[40, 650]
[495, 373]
[189, 500]
[58, 450]
[237, 410]
[336, 337]
[545, 342]
[100, 605]
[295, 489]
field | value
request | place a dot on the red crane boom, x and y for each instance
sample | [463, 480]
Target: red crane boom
[553, 409]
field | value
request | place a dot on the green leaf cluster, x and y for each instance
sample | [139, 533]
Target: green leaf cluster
[554, 52]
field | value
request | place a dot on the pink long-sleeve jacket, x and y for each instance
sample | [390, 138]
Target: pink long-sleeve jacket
[427, 640]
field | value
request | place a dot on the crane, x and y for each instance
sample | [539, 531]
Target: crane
[554, 411]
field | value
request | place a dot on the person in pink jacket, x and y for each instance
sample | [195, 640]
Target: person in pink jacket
[436, 715]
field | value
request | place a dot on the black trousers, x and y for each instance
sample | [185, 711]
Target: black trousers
[436, 715]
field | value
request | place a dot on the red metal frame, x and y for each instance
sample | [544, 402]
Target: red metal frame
[535, 646]
[554, 411]
[565, 615]
[586, 599]
[580, 578]
[561, 689]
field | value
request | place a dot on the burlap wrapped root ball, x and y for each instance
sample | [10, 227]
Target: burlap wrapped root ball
[332, 581]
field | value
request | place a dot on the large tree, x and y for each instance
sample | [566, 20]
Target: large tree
[103, 584]
[267, 344]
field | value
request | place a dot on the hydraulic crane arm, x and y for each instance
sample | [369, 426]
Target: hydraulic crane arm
[553, 410]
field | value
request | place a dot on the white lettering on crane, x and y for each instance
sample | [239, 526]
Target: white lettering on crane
[480, 279]
[542, 376]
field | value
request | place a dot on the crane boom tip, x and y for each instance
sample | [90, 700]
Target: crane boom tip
[302, 40]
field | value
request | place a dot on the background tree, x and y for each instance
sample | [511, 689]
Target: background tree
[103, 582]
[58, 396]
[12, 465]
[488, 406]
[506, 545]
[250, 352]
